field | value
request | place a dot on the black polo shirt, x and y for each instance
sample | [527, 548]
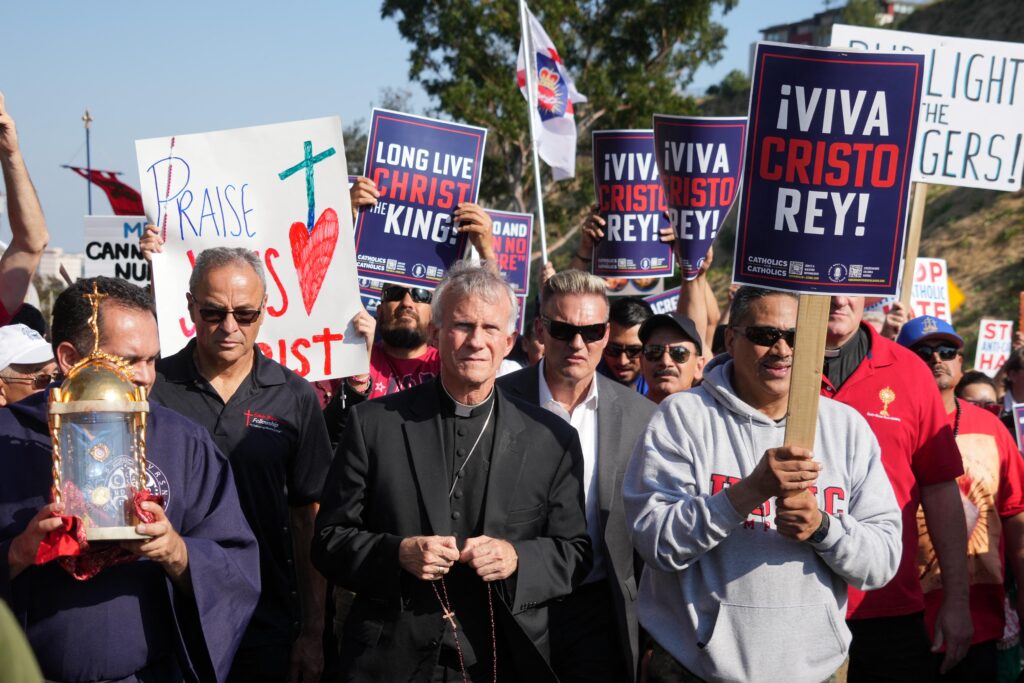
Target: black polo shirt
[274, 434]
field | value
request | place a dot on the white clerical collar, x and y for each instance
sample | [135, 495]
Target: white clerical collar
[466, 409]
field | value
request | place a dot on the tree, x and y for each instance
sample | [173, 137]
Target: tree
[631, 58]
[861, 13]
[396, 99]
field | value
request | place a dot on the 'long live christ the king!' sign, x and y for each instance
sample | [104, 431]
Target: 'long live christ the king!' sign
[827, 170]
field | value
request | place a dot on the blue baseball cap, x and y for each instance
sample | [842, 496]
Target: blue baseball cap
[928, 327]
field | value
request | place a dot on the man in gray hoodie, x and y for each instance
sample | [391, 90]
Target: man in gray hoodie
[749, 545]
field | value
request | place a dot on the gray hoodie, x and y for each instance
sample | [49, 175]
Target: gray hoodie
[731, 598]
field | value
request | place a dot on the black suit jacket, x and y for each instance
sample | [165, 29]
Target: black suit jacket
[389, 481]
[622, 416]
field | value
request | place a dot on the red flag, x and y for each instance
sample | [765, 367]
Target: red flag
[124, 200]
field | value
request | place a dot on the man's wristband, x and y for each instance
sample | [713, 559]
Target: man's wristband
[822, 531]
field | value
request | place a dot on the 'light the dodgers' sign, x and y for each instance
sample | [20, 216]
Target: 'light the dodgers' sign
[827, 170]
[972, 108]
[279, 190]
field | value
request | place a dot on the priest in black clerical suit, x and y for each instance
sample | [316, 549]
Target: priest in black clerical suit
[452, 499]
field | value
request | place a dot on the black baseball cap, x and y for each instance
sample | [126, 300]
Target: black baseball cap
[676, 320]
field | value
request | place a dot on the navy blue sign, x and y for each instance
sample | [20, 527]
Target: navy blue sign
[513, 234]
[423, 169]
[666, 302]
[700, 160]
[369, 293]
[632, 203]
[827, 170]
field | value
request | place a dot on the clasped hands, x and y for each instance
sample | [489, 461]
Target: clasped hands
[431, 557]
[787, 474]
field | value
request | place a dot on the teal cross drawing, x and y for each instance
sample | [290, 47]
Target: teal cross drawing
[307, 164]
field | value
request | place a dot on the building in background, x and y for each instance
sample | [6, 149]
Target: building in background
[817, 30]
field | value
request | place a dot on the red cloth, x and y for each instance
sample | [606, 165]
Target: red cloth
[124, 200]
[389, 375]
[992, 489]
[5, 317]
[69, 545]
[917, 450]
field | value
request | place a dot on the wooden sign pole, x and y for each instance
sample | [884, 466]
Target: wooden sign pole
[805, 376]
[913, 243]
[1020, 314]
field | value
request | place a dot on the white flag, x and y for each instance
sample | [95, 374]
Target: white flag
[556, 95]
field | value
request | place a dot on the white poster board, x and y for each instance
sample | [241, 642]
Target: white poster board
[112, 248]
[280, 190]
[929, 295]
[972, 105]
[995, 339]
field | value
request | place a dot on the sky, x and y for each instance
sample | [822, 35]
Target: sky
[155, 69]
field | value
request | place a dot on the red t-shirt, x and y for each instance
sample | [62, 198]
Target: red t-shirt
[5, 317]
[895, 392]
[388, 374]
[992, 489]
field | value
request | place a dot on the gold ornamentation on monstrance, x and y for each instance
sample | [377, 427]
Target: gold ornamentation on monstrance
[98, 430]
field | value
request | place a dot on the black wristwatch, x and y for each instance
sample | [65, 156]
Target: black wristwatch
[822, 531]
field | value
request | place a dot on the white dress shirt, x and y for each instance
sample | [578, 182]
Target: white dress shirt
[584, 419]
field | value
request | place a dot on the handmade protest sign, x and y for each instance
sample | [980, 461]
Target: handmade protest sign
[827, 170]
[279, 190]
[423, 169]
[995, 341]
[112, 248]
[930, 292]
[632, 202]
[700, 161]
[513, 234]
[972, 108]
[666, 302]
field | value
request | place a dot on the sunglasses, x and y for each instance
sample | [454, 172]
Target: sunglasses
[615, 350]
[945, 351]
[567, 332]
[397, 293]
[38, 382]
[763, 335]
[242, 316]
[678, 353]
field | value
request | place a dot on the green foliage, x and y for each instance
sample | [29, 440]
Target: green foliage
[860, 12]
[631, 58]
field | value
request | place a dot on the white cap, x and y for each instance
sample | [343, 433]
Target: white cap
[20, 344]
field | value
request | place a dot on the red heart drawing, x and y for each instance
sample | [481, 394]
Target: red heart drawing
[312, 253]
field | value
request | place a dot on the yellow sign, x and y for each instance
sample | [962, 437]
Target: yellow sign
[956, 297]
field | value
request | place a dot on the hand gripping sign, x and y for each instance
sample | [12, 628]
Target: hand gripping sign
[700, 160]
[423, 169]
[279, 190]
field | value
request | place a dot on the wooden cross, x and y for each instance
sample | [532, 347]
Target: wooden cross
[450, 616]
[307, 163]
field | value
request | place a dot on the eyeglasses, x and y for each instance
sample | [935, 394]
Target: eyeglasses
[945, 351]
[615, 350]
[567, 332]
[242, 316]
[397, 293]
[38, 382]
[678, 353]
[763, 335]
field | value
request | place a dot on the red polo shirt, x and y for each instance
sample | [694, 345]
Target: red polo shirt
[895, 392]
[5, 317]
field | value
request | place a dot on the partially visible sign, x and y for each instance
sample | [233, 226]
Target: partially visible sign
[112, 248]
[423, 169]
[513, 234]
[369, 294]
[827, 170]
[666, 302]
[278, 190]
[972, 111]
[700, 160]
[1018, 421]
[636, 287]
[930, 293]
[631, 200]
[995, 340]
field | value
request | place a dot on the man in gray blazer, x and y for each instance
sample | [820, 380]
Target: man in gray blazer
[593, 630]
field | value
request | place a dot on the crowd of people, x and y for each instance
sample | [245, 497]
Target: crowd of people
[605, 497]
